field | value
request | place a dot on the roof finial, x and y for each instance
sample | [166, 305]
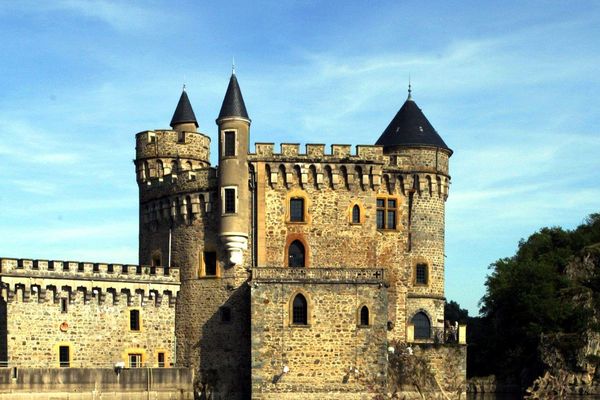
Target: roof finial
[233, 65]
[409, 89]
[183, 89]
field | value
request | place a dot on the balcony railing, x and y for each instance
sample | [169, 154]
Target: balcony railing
[318, 275]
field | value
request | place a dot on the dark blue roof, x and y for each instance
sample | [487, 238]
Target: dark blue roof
[233, 103]
[410, 127]
[184, 114]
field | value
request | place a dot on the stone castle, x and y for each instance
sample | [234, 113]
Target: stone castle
[276, 274]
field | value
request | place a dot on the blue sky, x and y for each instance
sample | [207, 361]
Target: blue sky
[511, 87]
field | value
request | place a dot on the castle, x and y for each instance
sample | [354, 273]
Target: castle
[280, 274]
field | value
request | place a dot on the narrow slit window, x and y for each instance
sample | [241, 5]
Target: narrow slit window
[64, 305]
[356, 214]
[229, 142]
[161, 359]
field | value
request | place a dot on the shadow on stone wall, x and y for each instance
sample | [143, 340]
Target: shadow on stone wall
[225, 351]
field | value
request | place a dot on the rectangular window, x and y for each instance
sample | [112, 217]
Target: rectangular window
[421, 274]
[229, 201]
[64, 358]
[386, 213]
[210, 263]
[64, 304]
[161, 360]
[134, 320]
[229, 142]
[225, 314]
[297, 210]
[135, 360]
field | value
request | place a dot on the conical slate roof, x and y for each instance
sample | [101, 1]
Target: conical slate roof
[184, 114]
[410, 127]
[233, 103]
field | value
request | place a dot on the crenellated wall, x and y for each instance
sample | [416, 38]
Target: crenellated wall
[86, 306]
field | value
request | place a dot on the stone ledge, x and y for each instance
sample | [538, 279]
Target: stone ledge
[318, 275]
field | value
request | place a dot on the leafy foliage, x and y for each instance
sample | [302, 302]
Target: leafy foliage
[527, 295]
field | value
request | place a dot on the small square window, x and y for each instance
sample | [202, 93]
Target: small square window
[229, 201]
[135, 360]
[297, 209]
[421, 274]
[134, 320]
[229, 142]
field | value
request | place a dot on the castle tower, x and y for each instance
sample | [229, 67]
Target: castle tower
[234, 136]
[418, 152]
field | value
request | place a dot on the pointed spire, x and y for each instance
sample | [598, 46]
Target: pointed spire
[233, 103]
[409, 90]
[184, 114]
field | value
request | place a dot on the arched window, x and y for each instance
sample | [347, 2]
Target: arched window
[174, 167]
[364, 316]
[422, 326]
[160, 171]
[299, 310]
[296, 254]
[356, 214]
[156, 262]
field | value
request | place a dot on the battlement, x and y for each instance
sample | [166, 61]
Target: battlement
[87, 270]
[135, 284]
[173, 144]
[316, 152]
[181, 185]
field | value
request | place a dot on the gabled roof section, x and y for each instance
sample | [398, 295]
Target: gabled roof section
[410, 127]
[233, 103]
[184, 114]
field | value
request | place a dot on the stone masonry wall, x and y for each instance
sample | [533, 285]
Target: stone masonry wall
[96, 322]
[323, 355]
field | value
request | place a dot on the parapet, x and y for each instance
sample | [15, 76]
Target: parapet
[315, 152]
[91, 280]
[173, 144]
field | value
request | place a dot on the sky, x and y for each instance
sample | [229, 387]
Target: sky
[512, 87]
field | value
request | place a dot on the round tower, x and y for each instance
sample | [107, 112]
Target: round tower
[174, 179]
[418, 156]
[234, 193]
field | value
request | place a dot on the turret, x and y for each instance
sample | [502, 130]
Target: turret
[234, 194]
[417, 151]
[184, 119]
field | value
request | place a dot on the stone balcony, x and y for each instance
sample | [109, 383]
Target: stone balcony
[318, 275]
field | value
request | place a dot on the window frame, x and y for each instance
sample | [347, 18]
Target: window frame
[224, 191]
[137, 364]
[61, 363]
[164, 359]
[416, 280]
[228, 151]
[415, 330]
[305, 322]
[138, 322]
[292, 217]
[289, 254]
[386, 208]
[204, 271]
